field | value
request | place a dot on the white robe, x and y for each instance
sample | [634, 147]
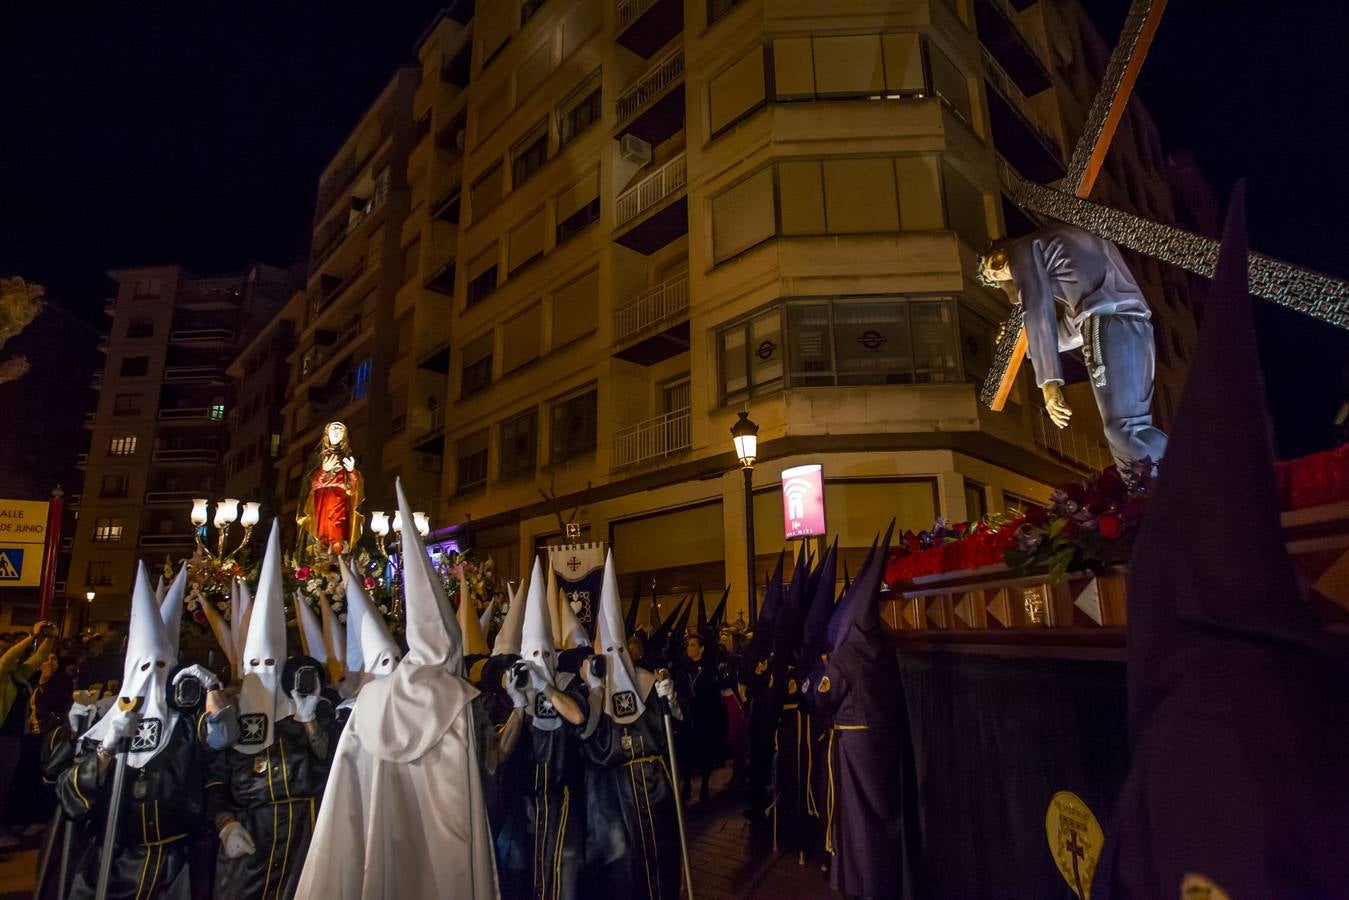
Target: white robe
[410, 829]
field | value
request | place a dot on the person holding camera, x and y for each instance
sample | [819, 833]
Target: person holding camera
[19, 665]
[273, 750]
[150, 725]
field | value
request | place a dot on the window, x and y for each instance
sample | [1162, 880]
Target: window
[477, 369]
[579, 111]
[412, 259]
[976, 501]
[107, 530]
[360, 380]
[529, 155]
[98, 573]
[519, 443]
[736, 92]
[533, 72]
[527, 10]
[965, 208]
[742, 215]
[976, 344]
[859, 196]
[493, 110]
[140, 327]
[486, 192]
[578, 206]
[574, 426]
[471, 453]
[135, 366]
[482, 276]
[750, 355]
[126, 405]
[122, 445]
[949, 83]
[113, 486]
[842, 66]
[860, 341]
[145, 289]
[495, 32]
[520, 339]
[578, 29]
[718, 8]
[526, 242]
[217, 411]
[576, 309]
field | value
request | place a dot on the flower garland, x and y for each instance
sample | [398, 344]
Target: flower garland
[208, 581]
[315, 578]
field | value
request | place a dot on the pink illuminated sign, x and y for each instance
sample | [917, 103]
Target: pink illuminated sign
[803, 501]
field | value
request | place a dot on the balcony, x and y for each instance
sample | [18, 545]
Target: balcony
[199, 456]
[103, 344]
[161, 541]
[89, 419]
[75, 501]
[170, 498]
[110, 306]
[435, 357]
[97, 381]
[644, 26]
[653, 439]
[428, 431]
[669, 222]
[1000, 31]
[653, 106]
[1017, 132]
[202, 336]
[337, 236]
[82, 460]
[330, 288]
[189, 414]
[194, 375]
[1070, 445]
[654, 323]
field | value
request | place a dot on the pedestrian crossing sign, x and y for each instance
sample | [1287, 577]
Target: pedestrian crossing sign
[11, 563]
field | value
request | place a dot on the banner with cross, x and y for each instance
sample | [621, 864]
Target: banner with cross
[580, 573]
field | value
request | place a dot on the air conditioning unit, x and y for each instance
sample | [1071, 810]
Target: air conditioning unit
[634, 149]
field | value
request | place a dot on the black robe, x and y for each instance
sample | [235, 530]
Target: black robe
[871, 815]
[275, 795]
[765, 705]
[632, 833]
[162, 807]
[554, 803]
[702, 739]
[796, 825]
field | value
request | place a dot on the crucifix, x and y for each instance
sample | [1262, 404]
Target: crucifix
[1308, 292]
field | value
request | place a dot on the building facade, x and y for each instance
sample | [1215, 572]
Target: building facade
[158, 430]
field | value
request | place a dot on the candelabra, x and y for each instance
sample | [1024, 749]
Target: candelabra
[226, 514]
[380, 524]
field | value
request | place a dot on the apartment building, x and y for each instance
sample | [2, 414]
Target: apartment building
[157, 432]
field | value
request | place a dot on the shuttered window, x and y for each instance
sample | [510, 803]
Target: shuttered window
[486, 192]
[737, 91]
[533, 72]
[520, 339]
[965, 209]
[742, 215]
[793, 68]
[582, 24]
[477, 369]
[920, 207]
[526, 241]
[801, 197]
[848, 65]
[494, 30]
[576, 309]
[493, 110]
[859, 196]
[482, 275]
[578, 206]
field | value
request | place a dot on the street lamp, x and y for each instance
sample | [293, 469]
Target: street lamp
[88, 605]
[379, 527]
[745, 435]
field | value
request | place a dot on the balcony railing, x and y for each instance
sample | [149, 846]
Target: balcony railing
[337, 236]
[202, 336]
[82, 460]
[651, 83]
[187, 456]
[653, 439]
[97, 381]
[74, 501]
[320, 299]
[170, 498]
[194, 373]
[629, 11]
[188, 414]
[996, 74]
[103, 344]
[664, 182]
[1070, 445]
[166, 540]
[89, 419]
[651, 307]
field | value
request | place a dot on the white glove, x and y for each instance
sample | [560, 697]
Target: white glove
[80, 715]
[236, 841]
[517, 696]
[306, 706]
[665, 688]
[121, 724]
[208, 679]
[538, 680]
[592, 680]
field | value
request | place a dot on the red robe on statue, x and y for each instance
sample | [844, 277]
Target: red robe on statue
[334, 496]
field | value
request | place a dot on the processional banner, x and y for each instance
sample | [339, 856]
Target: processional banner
[580, 571]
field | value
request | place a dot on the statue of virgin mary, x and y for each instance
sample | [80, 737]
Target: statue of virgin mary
[330, 518]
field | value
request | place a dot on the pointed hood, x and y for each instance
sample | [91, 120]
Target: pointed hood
[150, 659]
[538, 650]
[624, 698]
[681, 630]
[334, 638]
[432, 631]
[241, 609]
[224, 635]
[858, 617]
[485, 620]
[475, 644]
[171, 607]
[701, 622]
[820, 609]
[401, 717]
[658, 642]
[262, 699]
[719, 613]
[371, 652]
[787, 628]
[310, 629]
[1234, 581]
[630, 617]
[568, 627]
[513, 625]
[161, 588]
[761, 642]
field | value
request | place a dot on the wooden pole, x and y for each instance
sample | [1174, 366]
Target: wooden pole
[52, 547]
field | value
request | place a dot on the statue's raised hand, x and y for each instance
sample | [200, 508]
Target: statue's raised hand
[349, 463]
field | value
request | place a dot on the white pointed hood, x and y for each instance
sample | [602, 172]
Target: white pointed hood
[150, 659]
[401, 717]
[241, 608]
[171, 608]
[262, 700]
[485, 620]
[311, 630]
[624, 694]
[161, 588]
[371, 650]
[224, 635]
[538, 651]
[334, 639]
[475, 644]
[513, 625]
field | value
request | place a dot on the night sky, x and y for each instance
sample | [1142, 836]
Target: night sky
[133, 136]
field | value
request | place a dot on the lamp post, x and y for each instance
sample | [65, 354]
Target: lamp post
[380, 525]
[745, 435]
[88, 605]
[226, 514]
